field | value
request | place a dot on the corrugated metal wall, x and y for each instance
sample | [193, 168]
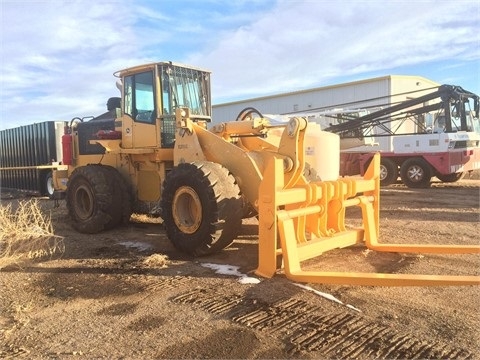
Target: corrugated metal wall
[29, 145]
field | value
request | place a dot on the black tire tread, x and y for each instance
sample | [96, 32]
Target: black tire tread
[121, 191]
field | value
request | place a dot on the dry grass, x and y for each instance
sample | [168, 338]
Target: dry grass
[26, 233]
[145, 219]
[156, 261]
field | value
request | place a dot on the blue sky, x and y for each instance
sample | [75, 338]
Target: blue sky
[58, 57]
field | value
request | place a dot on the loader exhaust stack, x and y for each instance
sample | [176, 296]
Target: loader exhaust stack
[299, 220]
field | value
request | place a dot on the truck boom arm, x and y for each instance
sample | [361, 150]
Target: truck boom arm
[447, 94]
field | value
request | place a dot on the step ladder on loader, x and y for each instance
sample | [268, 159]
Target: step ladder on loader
[300, 220]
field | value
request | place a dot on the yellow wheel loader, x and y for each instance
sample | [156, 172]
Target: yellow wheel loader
[153, 153]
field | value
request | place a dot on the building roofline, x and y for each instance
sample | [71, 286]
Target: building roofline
[303, 91]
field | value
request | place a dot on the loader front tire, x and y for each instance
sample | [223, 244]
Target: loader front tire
[202, 207]
[92, 199]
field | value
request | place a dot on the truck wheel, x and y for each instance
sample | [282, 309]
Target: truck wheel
[450, 178]
[201, 207]
[48, 187]
[416, 173]
[388, 172]
[92, 200]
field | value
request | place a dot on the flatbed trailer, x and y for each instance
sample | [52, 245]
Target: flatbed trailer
[28, 154]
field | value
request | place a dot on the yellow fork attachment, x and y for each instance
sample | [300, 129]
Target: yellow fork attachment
[288, 212]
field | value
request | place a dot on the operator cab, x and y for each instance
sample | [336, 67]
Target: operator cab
[151, 94]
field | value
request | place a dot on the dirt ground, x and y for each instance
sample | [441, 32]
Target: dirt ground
[128, 293]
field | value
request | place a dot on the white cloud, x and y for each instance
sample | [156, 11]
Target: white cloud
[306, 43]
[57, 57]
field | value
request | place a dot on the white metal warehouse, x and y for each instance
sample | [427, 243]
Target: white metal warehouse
[353, 95]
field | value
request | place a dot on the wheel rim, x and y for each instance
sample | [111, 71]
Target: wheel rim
[383, 172]
[187, 210]
[415, 173]
[83, 202]
[50, 187]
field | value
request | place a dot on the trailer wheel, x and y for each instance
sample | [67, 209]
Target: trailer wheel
[416, 173]
[388, 171]
[48, 187]
[201, 207]
[92, 199]
[451, 178]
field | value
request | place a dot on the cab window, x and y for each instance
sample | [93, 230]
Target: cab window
[184, 87]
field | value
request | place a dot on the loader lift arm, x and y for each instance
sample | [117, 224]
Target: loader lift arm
[300, 220]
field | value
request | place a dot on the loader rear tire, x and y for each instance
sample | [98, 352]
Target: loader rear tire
[201, 207]
[416, 173]
[92, 199]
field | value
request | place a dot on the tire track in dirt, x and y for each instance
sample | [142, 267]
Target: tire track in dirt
[167, 283]
[304, 327]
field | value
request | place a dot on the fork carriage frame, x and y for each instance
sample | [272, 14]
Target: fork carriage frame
[300, 220]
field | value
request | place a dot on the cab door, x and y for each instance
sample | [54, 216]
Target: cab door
[139, 121]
